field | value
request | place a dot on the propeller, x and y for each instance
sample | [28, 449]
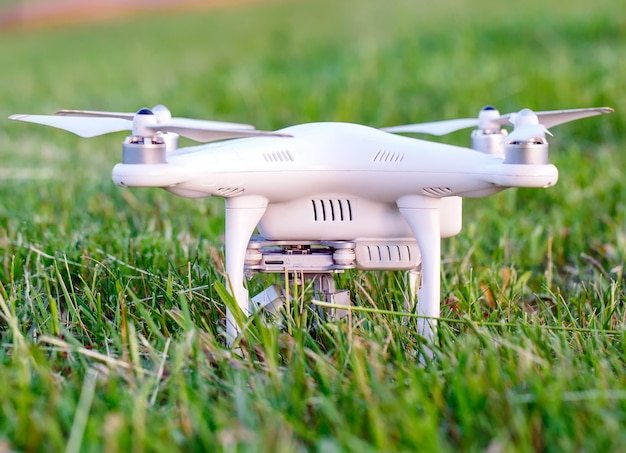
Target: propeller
[526, 127]
[84, 127]
[144, 123]
[161, 112]
[490, 118]
[435, 127]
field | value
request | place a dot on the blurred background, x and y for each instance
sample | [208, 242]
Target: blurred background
[37, 13]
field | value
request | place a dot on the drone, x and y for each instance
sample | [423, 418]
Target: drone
[316, 199]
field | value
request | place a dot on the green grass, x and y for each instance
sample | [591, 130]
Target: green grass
[112, 299]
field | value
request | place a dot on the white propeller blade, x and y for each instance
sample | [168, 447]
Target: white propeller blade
[555, 117]
[95, 114]
[527, 132]
[188, 123]
[548, 119]
[84, 127]
[210, 134]
[198, 130]
[435, 127]
[162, 114]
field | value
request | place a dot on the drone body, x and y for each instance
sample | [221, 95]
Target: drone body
[360, 189]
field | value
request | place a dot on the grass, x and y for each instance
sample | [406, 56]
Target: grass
[112, 300]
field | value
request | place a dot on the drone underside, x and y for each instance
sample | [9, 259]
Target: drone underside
[313, 264]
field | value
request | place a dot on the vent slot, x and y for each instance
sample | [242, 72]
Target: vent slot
[388, 156]
[391, 254]
[332, 210]
[436, 191]
[282, 155]
[388, 254]
[228, 191]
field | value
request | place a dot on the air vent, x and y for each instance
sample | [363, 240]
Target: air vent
[332, 210]
[389, 254]
[436, 191]
[387, 156]
[282, 155]
[228, 191]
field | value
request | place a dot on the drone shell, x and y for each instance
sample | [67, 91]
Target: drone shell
[334, 181]
[322, 158]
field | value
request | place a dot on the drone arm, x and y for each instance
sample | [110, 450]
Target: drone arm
[423, 216]
[242, 216]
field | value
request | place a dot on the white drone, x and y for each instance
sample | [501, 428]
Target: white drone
[326, 197]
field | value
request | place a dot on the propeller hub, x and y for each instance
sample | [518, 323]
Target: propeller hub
[162, 113]
[487, 119]
[524, 117]
[141, 122]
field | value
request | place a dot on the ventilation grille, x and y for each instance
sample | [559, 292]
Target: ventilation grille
[332, 210]
[436, 191]
[387, 254]
[282, 155]
[387, 156]
[228, 191]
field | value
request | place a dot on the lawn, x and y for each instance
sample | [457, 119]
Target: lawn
[112, 299]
